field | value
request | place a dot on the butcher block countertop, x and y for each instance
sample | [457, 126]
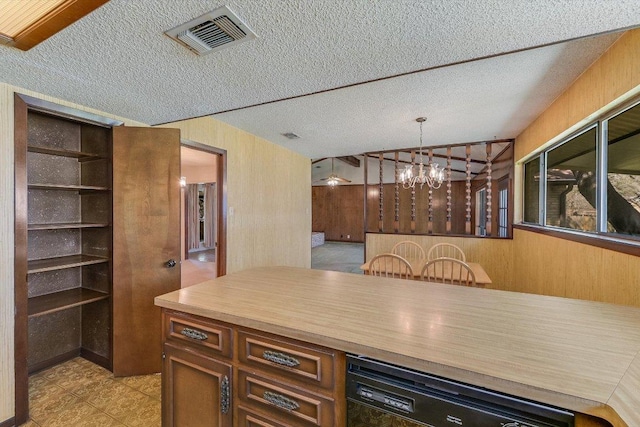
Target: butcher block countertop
[579, 355]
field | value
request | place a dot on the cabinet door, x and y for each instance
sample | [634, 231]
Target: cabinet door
[195, 390]
[146, 237]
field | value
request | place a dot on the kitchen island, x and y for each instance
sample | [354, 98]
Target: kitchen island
[573, 354]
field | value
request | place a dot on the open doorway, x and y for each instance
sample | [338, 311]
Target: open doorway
[203, 213]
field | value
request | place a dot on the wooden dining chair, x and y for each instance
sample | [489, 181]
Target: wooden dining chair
[390, 265]
[408, 249]
[446, 250]
[448, 270]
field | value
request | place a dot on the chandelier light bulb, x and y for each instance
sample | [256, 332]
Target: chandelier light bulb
[419, 174]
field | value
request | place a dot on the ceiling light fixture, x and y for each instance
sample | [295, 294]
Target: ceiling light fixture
[432, 174]
[333, 179]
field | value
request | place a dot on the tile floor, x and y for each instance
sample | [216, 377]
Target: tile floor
[80, 393]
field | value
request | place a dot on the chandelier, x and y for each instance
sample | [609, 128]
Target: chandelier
[432, 174]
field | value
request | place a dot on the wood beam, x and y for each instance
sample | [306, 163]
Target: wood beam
[350, 160]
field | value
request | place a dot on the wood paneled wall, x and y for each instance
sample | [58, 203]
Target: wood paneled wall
[615, 76]
[554, 266]
[338, 212]
[268, 206]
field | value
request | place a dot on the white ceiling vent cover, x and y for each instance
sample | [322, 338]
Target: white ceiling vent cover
[213, 31]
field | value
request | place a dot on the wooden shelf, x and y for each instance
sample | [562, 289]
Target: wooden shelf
[80, 155]
[50, 264]
[57, 301]
[59, 226]
[66, 187]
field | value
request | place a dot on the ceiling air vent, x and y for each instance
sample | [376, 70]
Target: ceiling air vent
[212, 31]
[291, 135]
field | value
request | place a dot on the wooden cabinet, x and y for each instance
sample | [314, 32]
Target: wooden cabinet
[198, 388]
[276, 381]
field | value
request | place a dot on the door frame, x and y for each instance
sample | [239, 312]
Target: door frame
[221, 180]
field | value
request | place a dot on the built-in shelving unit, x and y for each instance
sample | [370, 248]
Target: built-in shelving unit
[69, 239]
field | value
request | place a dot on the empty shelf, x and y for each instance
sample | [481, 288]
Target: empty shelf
[57, 301]
[58, 226]
[80, 155]
[49, 264]
[66, 187]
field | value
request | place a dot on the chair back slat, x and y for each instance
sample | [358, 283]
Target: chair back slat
[390, 265]
[448, 270]
[408, 250]
[446, 250]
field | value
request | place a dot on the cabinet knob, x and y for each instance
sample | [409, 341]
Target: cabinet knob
[170, 264]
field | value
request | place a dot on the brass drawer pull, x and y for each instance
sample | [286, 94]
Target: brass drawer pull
[193, 334]
[225, 395]
[280, 358]
[280, 401]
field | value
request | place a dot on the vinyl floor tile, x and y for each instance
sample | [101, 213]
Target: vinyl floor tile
[80, 393]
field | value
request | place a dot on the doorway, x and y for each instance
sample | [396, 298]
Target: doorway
[203, 215]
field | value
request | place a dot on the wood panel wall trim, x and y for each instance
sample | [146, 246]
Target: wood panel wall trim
[604, 242]
[11, 422]
[20, 262]
[466, 236]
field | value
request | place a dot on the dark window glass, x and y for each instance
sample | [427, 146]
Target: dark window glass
[571, 183]
[481, 212]
[532, 191]
[503, 204]
[623, 177]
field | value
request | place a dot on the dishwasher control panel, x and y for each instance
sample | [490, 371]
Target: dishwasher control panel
[388, 399]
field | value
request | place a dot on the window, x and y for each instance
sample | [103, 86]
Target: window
[503, 209]
[571, 183]
[623, 173]
[481, 212]
[591, 180]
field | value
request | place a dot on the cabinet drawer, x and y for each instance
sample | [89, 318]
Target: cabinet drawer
[248, 418]
[288, 358]
[205, 336]
[288, 404]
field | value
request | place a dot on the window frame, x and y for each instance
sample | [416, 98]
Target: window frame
[600, 237]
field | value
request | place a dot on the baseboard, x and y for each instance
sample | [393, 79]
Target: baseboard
[11, 422]
[53, 361]
[95, 358]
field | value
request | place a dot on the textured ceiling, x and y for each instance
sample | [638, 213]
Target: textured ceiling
[118, 60]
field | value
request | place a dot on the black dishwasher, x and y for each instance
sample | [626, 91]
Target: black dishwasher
[384, 395]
